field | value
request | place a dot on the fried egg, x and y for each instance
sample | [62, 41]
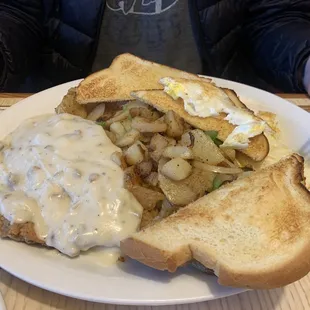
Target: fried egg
[204, 99]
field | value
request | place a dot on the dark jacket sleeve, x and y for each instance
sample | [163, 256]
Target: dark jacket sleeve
[278, 38]
[21, 35]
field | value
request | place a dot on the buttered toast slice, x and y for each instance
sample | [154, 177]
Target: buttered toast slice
[258, 147]
[127, 73]
[253, 232]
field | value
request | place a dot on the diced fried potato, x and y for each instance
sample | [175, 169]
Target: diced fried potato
[188, 190]
[119, 159]
[118, 129]
[176, 169]
[175, 125]
[204, 149]
[158, 144]
[134, 154]
[145, 113]
[178, 151]
[146, 137]
[144, 168]
[187, 139]
[111, 136]
[127, 124]
[156, 155]
[167, 209]
[148, 217]
[148, 198]
[129, 138]
[152, 179]
[143, 125]
[145, 150]
[171, 141]
[179, 194]
[131, 178]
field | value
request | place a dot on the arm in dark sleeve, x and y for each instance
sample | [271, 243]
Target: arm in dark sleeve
[21, 34]
[278, 38]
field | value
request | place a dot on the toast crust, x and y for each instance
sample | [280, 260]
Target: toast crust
[154, 257]
[287, 231]
[258, 147]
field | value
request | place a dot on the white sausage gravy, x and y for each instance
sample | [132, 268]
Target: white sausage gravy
[56, 171]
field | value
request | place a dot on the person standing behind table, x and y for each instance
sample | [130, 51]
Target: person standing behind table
[261, 43]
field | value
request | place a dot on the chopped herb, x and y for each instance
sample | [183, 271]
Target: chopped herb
[218, 142]
[102, 124]
[217, 182]
[212, 134]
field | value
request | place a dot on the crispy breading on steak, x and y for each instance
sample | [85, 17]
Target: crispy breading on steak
[70, 105]
[19, 232]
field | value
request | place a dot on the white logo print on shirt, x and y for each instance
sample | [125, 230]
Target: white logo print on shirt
[141, 7]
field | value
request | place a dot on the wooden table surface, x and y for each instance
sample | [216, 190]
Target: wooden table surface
[19, 295]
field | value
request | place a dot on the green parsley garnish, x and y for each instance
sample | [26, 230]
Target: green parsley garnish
[217, 142]
[213, 135]
[102, 124]
[217, 182]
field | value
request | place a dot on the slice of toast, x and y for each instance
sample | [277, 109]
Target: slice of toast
[127, 73]
[253, 232]
[258, 148]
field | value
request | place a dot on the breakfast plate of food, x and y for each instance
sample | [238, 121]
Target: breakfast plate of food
[146, 185]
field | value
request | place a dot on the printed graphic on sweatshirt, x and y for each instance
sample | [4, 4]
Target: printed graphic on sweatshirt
[141, 7]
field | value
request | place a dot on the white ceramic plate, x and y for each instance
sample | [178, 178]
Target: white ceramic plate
[130, 283]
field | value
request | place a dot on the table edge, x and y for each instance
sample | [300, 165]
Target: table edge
[15, 95]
